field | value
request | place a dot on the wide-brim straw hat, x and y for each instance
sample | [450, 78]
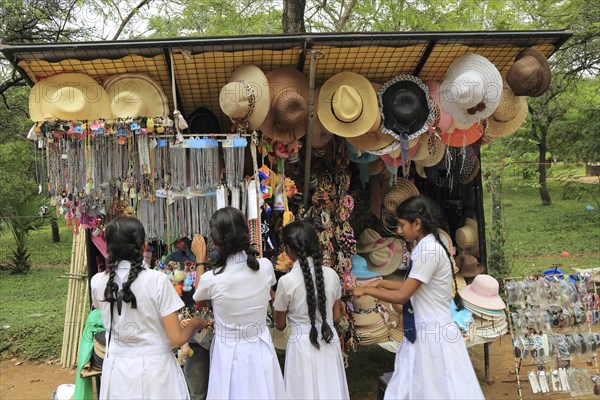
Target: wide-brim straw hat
[473, 174]
[364, 303]
[436, 150]
[368, 319]
[405, 107]
[348, 105]
[401, 190]
[374, 139]
[509, 116]
[370, 240]
[387, 260]
[467, 236]
[485, 312]
[483, 292]
[246, 96]
[395, 157]
[472, 82]
[530, 74]
[320, 136]
[468, 266]
[69, 97]
[441, 119]
[463, 137]
[136, 95]
[287, 119]
[202, 120]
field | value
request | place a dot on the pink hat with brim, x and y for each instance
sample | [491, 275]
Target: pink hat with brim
[483, 292]
[444, 121]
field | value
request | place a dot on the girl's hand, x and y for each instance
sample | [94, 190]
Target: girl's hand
[374, 284]
[200, 322]
[358, 291]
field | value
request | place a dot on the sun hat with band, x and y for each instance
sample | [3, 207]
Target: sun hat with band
[472, 89]
[245, 98]
[483, 292]
[370, 240]
[530, 74]
[374, 139]
[347, 105]
[286, 120]
[68, 96]
[136, 95]
[386, 260]
[509, 116]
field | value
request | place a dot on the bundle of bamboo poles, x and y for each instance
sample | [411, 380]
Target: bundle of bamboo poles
[77, 299]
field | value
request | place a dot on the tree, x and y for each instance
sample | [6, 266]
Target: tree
[292, 19]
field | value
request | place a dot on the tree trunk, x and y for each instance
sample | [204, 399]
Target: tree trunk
[55, 231]
[543, 167]
[293, 16]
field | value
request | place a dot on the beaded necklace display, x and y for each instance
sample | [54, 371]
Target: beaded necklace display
[234, 151]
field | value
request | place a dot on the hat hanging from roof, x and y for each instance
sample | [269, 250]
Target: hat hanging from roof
[473, 174]
[401, 190]
[395, 157]
[454, 168]
[483, 292]
[136, 95]
[463, 137]
[202, 120]
[286, 120]
[405, 107]
[68, 96]
[441, 120]
[509, 115]
[530, 74]
[467, 236]
[472, 89]
[320, 136]
[245, 98]
[348, 105]
[435, 151]
[374, 139]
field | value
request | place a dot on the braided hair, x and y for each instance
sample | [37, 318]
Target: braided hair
[229, 232]
[301, 238]
[125, 238]
[423, 208]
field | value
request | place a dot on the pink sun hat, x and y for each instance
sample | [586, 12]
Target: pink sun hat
[483, 292]
[444, 120]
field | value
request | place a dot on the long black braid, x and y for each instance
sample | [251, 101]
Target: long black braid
[125, 238]
[423, 208]
[302, 239]
[229, 232]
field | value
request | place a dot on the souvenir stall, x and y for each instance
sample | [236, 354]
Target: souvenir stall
[334, 129]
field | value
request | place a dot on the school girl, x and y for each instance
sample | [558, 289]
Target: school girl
[139, 310]
[243, 362]
[432, 362]
[308, 299]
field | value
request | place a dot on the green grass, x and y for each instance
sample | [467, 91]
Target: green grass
[42, 250]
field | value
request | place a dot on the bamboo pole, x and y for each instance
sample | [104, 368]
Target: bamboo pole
[65, 343]
[81, 301]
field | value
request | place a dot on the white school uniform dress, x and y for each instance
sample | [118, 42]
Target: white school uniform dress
[139, 362]
[243, 362]
[311, 373]
[437, 364]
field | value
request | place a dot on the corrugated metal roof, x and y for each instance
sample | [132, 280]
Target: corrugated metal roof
[202, 65]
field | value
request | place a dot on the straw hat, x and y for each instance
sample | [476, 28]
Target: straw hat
[405, 107]
[487, 313]
[530, 74]
[467, 236]
[483, 292]
[246, 97]
[374, 139]
[348, 105]
[447, 241]
[68, 96]
[359, 268]
[472, 89]
[395, 157]
[420, 169]
[387, 260]
[320, 136]
[509, 115]
[136, 95]
[370, 240]
[364, 303]
[436, 150]
[286, 120]
[203, 120]
[468, 266]
[401, 190]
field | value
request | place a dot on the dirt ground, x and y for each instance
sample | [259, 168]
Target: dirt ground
[37, 381]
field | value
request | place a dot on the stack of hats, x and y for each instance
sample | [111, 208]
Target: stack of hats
[481, 298]
[384, 255]
[369, 321]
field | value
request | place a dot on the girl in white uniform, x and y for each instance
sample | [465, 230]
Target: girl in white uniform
[138, 307]
[243, 362]
[432, 362]
[314, 366]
